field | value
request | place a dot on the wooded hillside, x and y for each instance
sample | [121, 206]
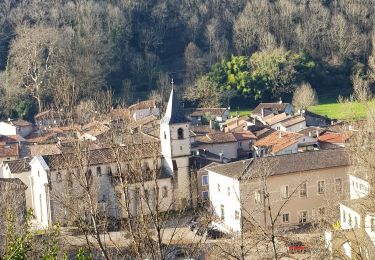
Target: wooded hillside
[59, 53]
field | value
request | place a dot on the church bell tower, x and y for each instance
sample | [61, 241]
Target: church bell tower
[175, 148]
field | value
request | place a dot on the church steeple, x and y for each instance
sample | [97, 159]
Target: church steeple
[173, 114]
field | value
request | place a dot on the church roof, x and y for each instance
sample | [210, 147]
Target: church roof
[174, 114]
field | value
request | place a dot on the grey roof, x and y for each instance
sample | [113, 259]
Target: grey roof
[279, 107]
[283, 164]
[361, 205]
[12, 183]
[19, 166]
[174, 114]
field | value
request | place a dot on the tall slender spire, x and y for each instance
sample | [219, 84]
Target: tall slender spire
[173, 114]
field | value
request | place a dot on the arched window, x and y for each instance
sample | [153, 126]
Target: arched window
[98, 171]
[180, 133]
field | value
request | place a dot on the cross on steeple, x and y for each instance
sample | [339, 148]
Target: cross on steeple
[172, 82]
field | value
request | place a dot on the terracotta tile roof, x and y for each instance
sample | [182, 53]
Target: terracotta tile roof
[312, 130]
[278, 140]
[36, 138]
[143, 121]
[5, 139]
[335, 138]
[276, 119]
[97, 130]
[9, 150]
[102, 156]
[219, 137]
[20, 122]
[244, 135]
[44, 149]
[19, 166]
[143, 105]
[202, 129]
[236, 121]
[361, 205]
[284, 164]
[120, 114]
[48, 114]
[278, 107]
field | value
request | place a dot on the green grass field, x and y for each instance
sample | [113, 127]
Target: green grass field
[331, 109]
[342, 111]
[242, 111]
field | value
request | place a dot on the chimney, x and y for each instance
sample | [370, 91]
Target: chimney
[238, 114]
[280, 101]
[221, 157]
[310, 134]
[280, 134]
[211, 124]
[262, 112]
[317, 133]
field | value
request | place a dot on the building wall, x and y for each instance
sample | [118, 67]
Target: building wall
[348, 218]
[296, 203]
[229, 150]
[227, 197]
[141, 113]
[369, 227]
[25, 177]
[359, 188]
[7, 129]
[41, 204]
[296, 127]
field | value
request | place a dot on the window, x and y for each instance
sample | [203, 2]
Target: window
[222, 213]
[285, 191]
[320, 187]
[356, 185]
[174, 164]
[41, 207]
[353, 184]
[303, 190]
[349, 219]
[109, 171]
[58, 177]
[165, 192]
[286, 218]
[98, 171]
[204, 180]
[258, 196]
[239, 144]
[38, 174]
[372, 224]
[180, 147]
[355, 221]
[205, 195]
[165, 135]
[147, 195]
[228, 189]
[344, 216]
[303, 217]
[89, 177]
[322, 211]
[180, 133]
[338, 185]
[236, 215]
[218, 187]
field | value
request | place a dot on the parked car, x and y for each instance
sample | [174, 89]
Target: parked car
[296, 247]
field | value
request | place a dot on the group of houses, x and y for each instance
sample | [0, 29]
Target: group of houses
[294, 162]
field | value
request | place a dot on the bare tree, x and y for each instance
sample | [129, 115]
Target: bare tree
[361, 86]
[304, 96]
[204, 92]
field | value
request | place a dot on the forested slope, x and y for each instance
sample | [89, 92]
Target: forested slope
[58, 53]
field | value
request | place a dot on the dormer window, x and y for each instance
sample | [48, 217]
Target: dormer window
[180, 133]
